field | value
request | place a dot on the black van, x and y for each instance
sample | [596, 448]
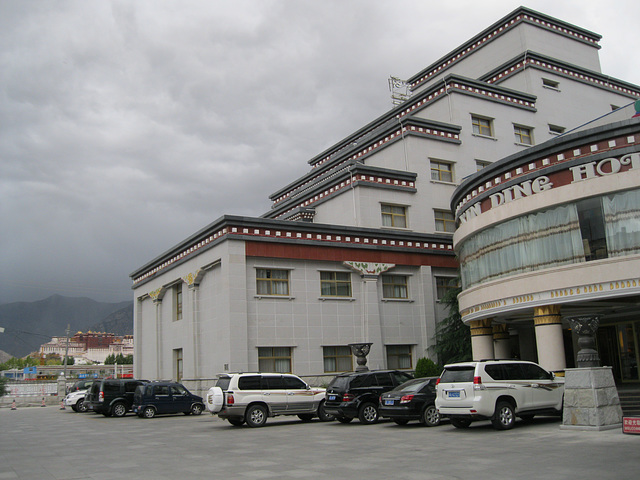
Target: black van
[112, 396]
[165, 397]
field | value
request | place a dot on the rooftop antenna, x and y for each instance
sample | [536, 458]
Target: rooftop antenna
[400, 90]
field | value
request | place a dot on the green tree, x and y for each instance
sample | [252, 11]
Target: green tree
[70, 360]
[453, 338]
[110, 360]
[3, 386]
[427, 368]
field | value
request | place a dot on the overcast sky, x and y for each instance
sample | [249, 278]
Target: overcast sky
[126, 126]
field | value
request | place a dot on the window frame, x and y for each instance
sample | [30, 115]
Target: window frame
[556, 129]
[476, 124]
[336, 356]
[438, 170]
[393, 284]
[178, 302]
[443, 284]
[550, 84]
[394, 359]
[393, 215]
[272, 357]
[481, 164]
[270, 281]
[523, 132]
[445, 221]
[335, 282]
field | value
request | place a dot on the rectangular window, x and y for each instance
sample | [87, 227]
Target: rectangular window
[592, 229]
[272, 282]
[524, 135]
[444, 221]
[399, 356]
[394, 216]
[556, 129]
[335, 284]
[274, 359]
[441, 171]
[550, 84]
[480, 164]
[482, 126]
[337, 359]
[444, 285]
[394, 286]
[177, 364]
[177, 298]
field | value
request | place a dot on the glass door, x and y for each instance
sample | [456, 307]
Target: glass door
[627, 334]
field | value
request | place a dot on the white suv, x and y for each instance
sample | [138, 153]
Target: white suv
[253, 397]
[497, 390]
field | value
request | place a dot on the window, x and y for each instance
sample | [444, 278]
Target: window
[335, 284]
[177, 297]
[444, 221]
[524, 135]
[394, 286]
[177, 362]
[556, 129]
[550, 84]
[482, 126]
[441, 171]
[272, 282]
[274, 359]
[444, 285]
[592, 229]
[394, 216]
[614, 107]
[399, 356]
[480, 164]
[337, 359]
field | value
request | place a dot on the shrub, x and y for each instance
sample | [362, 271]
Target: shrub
[427, 368]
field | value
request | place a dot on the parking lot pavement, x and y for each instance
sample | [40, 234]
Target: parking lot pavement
[49, 443]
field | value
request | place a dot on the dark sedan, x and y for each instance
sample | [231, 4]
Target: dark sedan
[413, 400]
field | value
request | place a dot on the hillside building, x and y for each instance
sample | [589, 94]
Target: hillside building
[360, 249]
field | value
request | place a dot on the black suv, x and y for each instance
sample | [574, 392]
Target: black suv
[357, 394]
[165, 397]
[112, 396]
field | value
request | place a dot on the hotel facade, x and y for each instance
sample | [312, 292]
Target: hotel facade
[360, 249]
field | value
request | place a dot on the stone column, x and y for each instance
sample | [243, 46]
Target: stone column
[158, 303]
[193, 288]
[481, 339]
[501, 342]
[548, 325]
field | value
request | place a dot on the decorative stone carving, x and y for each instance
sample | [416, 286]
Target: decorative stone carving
[585, 328]
[361, 350]
[368, 268]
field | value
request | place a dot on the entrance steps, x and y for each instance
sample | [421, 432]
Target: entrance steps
[629, 400]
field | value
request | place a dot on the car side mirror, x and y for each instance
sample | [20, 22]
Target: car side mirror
[308, 387]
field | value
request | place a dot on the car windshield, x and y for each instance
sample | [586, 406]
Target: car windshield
[457, 374]
[412, 386]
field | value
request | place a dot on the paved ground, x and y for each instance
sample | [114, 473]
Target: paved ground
[49, 443]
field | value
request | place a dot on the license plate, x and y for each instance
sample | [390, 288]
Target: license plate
[332, 397]
[453, 394]
[388, 402]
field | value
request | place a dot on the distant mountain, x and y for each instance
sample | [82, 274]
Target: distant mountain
[30, 324]
[118, 323]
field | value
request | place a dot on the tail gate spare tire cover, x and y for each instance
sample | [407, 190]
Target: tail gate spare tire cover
[215, 399]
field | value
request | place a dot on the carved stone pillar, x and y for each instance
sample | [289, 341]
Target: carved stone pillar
[549, 341]
[481, 339]
[501, 341]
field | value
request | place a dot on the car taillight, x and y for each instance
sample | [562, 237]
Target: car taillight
[406, 398]
[477, 384]
[230, 400]
[347, 397]
[101, 397]
[438, 381]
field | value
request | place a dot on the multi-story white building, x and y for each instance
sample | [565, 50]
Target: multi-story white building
[360, 248]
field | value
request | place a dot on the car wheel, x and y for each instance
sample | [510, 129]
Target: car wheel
[344, 419]
[236, 422]
[119, 410]
[81, 407]
[504, 418]
[148, 412]
[460, 422]
[256, 416]
[430, 416]
[400, 421]
[74, 408]
[368, 414]
[196, 409]
[323, 415]
[305, 417]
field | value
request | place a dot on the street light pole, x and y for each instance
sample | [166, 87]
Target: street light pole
[66, 353]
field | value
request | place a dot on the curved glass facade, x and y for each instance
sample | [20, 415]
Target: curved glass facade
[590, 229]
